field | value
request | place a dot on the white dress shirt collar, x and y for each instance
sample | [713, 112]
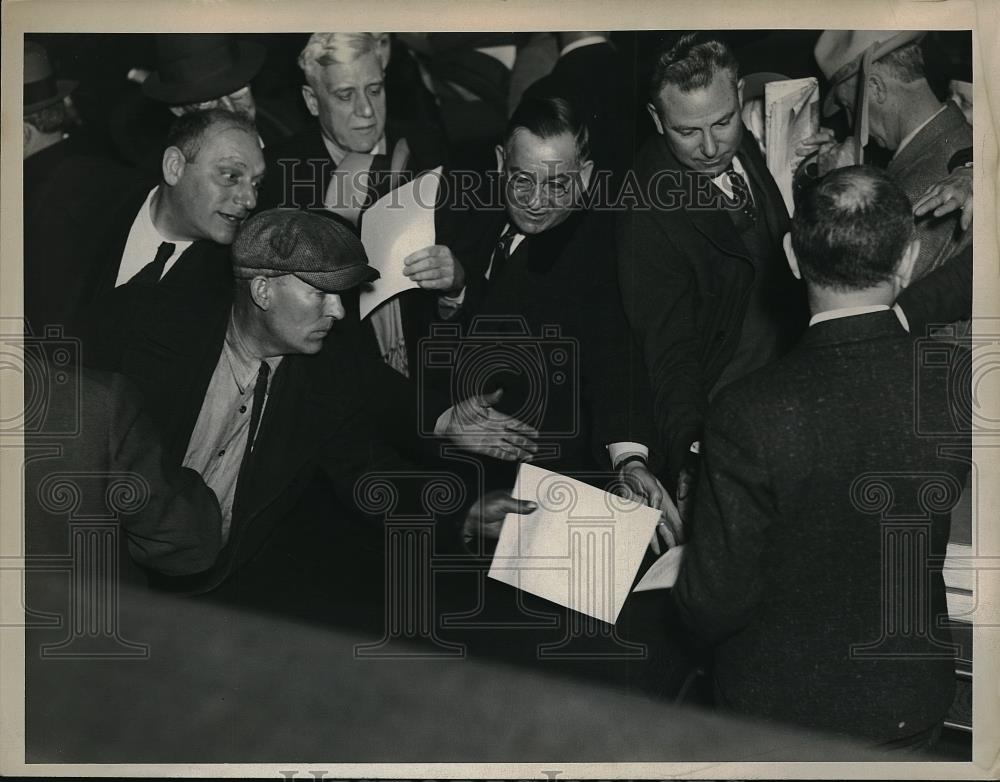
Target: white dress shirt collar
[143, 243]
[847, 312]
[723, 182]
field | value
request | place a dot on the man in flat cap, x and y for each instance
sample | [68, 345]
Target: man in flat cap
[249, 392]
[878, 78]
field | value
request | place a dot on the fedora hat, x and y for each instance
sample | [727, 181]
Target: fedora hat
[196, 67]
[41, 88]
[839, 52]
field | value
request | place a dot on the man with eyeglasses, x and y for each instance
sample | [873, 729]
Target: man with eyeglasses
[544, 279]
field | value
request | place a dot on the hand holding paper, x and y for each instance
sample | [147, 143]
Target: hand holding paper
[435, 268]
[581, 547]
[394, 227]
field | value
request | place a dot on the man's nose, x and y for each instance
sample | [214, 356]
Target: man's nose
[363, 105]
[709, 147]
[537, 198]
[246, 196]
[334, 307]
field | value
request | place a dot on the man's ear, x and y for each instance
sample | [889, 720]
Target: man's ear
[309, 96]
[586, 171]
[173, 165]
[260, 292]
[904, 270]
[739, 91]
[877, 90]
[656, 118]
[500, 157]
[793, 262]
[29, 132]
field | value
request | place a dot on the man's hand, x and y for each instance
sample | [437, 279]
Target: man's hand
[434, 268]
[638, 483]
[475, 426]
[485, 518]
[951, 193]
[830, 155]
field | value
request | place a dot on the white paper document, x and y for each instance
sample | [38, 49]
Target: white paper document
[399, 223]
[662, 574]
[791, 114]
[581, 548]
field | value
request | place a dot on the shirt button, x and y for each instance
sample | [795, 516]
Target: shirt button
[222, 453]
[243, 408]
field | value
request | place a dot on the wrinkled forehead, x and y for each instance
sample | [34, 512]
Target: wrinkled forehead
[702, 104]
[221, 144]
[360, 72]
[544, 157]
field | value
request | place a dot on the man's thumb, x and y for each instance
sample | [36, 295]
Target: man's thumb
[493, 397]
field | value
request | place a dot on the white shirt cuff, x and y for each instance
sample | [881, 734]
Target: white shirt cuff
[618, 451]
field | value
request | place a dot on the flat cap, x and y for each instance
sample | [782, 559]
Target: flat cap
[321, 250]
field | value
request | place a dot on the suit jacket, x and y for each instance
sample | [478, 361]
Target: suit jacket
[920, 164]
[585, 385]
[73, 237]
[94, 438]
[827, 482]
[941, 296]
[685, 274]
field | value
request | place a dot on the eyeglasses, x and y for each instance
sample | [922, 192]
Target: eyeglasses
[523, 186]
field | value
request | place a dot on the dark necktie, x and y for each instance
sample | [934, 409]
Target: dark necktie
[502, 252]
[741, 193]
[150, 274]
[259, 392]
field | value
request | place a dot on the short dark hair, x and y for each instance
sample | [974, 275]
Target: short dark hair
[850, 228]
[547, 117]
[188, 131]
[690, 61]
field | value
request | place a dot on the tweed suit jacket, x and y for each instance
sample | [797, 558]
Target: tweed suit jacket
[828, 480]
[922, 163]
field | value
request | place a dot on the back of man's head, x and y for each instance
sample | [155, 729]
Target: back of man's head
[690, 61]
[850, 229]
[188, 131]
[548, 117]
